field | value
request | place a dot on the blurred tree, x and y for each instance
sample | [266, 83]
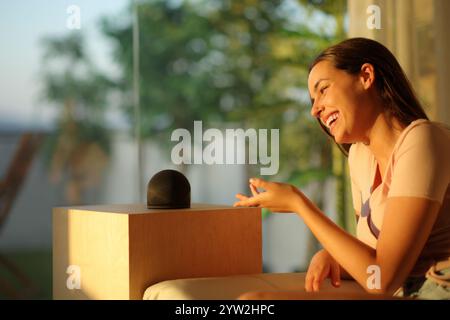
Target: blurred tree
[268, 56]
[77, 150]
[345, 218]
[241, 61]
[177, 67]
[270, 87]
[336, 11]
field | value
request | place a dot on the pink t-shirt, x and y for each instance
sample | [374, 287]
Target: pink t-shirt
[419, 166]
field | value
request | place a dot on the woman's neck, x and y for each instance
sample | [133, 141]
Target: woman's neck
[382, 138]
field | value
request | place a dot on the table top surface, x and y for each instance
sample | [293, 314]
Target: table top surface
[139, 208]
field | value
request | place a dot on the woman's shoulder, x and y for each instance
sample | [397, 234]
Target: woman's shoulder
[425, 134]
[425, 125]
[419, 165]
[358, 150]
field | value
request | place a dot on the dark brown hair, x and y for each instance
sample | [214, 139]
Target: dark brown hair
[391, 82]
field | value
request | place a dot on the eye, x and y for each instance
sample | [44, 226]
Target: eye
[322, 90]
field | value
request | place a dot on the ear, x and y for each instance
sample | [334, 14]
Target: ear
[367, 75]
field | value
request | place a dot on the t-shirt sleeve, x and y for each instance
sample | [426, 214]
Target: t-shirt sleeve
[422, 164]
[356, 191]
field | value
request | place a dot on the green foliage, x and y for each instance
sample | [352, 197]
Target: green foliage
[265, 213]
[244, 62]
[76, 152]
[228, 63]
[330, 7]
[177, 67]
[77, 89]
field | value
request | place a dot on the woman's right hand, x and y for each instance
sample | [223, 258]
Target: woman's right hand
[322, 266]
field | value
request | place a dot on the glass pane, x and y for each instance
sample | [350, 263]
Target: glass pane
[232, 73]
[62, 130]
[212, 70]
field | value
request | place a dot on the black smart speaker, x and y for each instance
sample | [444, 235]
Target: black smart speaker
[168, 189]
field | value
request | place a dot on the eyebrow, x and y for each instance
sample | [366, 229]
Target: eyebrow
[315, 87]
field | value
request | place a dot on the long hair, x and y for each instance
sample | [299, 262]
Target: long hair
[391, 82]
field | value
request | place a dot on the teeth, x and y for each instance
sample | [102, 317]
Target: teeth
[331, 118]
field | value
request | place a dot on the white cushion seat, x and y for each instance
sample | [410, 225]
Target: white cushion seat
[231, 287]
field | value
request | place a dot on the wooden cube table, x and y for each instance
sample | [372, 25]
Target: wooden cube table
[117, 251]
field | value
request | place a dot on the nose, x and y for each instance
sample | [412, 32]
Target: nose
[316, 109]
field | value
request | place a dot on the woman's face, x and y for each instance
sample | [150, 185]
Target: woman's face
[341, 101]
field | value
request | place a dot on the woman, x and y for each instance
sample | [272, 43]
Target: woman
[400, 172]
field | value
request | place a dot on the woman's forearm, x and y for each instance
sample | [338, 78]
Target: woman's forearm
[352, 255]
[344, 274]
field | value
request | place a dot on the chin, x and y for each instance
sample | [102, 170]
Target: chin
[342, 140]
[338, 139]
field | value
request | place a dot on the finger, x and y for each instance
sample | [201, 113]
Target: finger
[311, 276]
[316, 284]
[308, 281]
[259, 183]
[253, 189]
[335, 275]
[241, 197]
[250, 202]
[323, 274]
[318, 277]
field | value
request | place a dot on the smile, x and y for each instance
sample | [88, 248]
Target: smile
[331, 121]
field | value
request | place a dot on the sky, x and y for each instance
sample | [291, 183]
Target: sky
[23, 23]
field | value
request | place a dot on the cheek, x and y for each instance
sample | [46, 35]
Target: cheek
[351, 119]
[333, 99]
[349, 105]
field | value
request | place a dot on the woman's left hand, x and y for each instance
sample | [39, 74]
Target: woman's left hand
[277, 197]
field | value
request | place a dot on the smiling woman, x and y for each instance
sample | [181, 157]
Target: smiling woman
[400, 175]
[391, 89]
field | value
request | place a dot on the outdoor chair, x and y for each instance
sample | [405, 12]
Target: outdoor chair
[10, 186]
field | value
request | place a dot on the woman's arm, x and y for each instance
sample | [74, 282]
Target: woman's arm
[345, 275]
[406, 226]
